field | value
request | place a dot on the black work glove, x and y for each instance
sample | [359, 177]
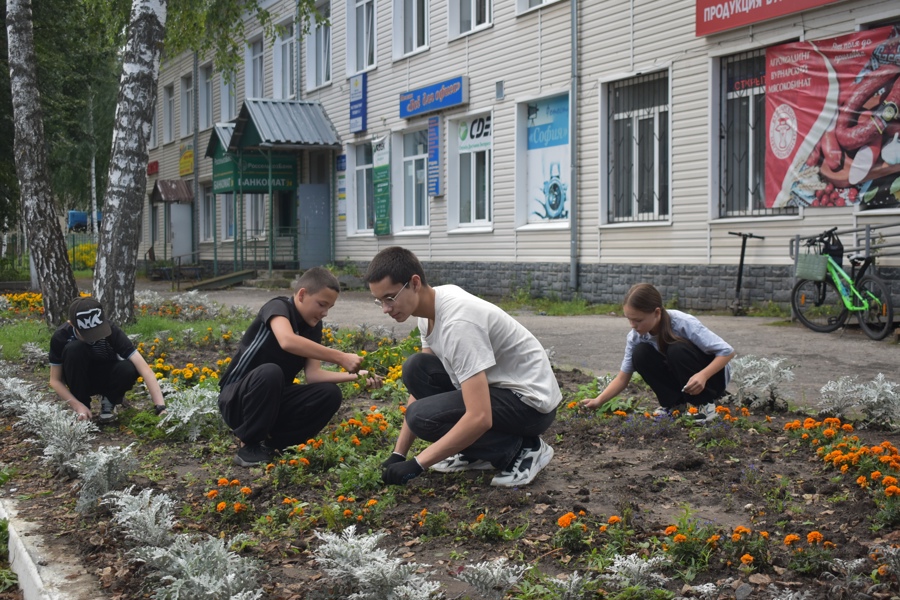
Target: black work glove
[395, 457]
[401, 472]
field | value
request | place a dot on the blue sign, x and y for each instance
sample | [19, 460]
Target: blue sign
[436, 96]
[359, 100]
[434, 156]
[342, 162]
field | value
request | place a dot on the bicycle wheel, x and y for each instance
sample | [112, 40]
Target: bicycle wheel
[818, 305]
[878, 320]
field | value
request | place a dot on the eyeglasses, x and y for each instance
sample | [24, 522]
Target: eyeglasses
[389, 301]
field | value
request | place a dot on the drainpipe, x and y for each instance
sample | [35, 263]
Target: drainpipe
[573, 152]
[195, 244]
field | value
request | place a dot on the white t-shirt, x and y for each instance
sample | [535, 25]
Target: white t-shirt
[471, 335]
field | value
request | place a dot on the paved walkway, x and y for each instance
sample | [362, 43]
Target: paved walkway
[595, 343]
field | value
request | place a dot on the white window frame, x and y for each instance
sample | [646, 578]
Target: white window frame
[524, 6]
[456, 170]
[207, 224]
[459, 9]
[661, 122]
[419, 219]
[363, 197]
[154, 224]
[318, 51]
[370, 37]
[411, 25]
[228, 221]
[168, 113]
[153, 142]
[283, 63]
[205, 97]
[255, 216]
[255, 71]
[187, 105]
[228, 99]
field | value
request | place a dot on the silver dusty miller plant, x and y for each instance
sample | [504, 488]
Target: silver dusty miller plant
[839, 396]
[492, 579]
[362, 571]
[880, 401]
[101, 471]
[575, 587]
[634, 571]
[851, 579]
[192, 411]
[202, 567]
[757, 380]
[146, 519]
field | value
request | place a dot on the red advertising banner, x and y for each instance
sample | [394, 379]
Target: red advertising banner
[721, 15]
[833, 126]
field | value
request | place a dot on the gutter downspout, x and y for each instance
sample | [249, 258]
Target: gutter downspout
[573, 152]
[195, 240]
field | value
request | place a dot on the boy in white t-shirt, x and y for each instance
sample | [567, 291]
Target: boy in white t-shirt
[482, 389]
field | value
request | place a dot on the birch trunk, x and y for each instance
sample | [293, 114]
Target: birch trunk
[114, 273]
[45, 238]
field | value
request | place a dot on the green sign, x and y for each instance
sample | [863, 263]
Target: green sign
[251, 176]
[381, 177]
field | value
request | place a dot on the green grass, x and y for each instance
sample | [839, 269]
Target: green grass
[18, 331]
[554, 306]
[149, 326]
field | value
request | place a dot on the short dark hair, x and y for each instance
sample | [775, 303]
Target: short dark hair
[316, 279]
[397, 263]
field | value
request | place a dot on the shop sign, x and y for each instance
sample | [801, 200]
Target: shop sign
[434, 156]
[253, 175]
[185, 159]
[359, 100]
[714, 16]
[547, 159]
[437, 96]
[153, 167]
[381, 178]
[833, 121]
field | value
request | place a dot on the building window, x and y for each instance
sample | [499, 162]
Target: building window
[360, 45]
[411, 29]
[228, 215]
[318, 51]
[205, 95]
[743, 137]
[228, 104]
[154, 224]
[473, 168]
[168, 113]
[256, 216]
[187, 106]
[255, 71]
[284, 63]
[469, 15]
[364, 188]
[153, 142]
[525, 5]
[638, 149]
[415, 200]
[207, 224]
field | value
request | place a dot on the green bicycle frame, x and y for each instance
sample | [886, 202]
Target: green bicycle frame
[844, 289]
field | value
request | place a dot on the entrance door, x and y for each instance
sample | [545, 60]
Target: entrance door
[180, 225]
[314, 222]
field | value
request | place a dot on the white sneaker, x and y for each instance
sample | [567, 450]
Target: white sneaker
[107, 410]
[662, 411]
[459, 462]
[526, 466]
[706, 413]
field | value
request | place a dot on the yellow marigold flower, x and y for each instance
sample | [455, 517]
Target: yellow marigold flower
[679, 538]
[212, 494]
[747, 559]
[614, 519]
[220, 506]
[566, 520]
[245, 490]
[671, 529]
[814, 537]
[791, 538]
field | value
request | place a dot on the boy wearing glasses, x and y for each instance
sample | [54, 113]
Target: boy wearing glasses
[258, 398]
[482, 389]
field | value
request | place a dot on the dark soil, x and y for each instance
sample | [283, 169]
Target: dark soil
[644, 469]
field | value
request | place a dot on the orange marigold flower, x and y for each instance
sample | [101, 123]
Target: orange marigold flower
[713, 539]
[603, 528]
[847, 427]
[614, 519]
[235, 482]
[764, 535]
[735, 537]
[348, 512]
[829, 545]
[238, 507]
[671, 529]
[304, 461]
[220, 506]
[876, 475]
[888, 481]
[566, 520]
[288, 500]
[212, 494]
[620, 413]
[479, 518]
[791, 538]
[883, 570]
[892, 490]
[222, 481]
[692, 410]
[805, 436]
[862, 482]
[745, 412]
[293, 462]
[741, 530]
[245, 491]
[829, 433]
[747, 559]
[679, 538]
[814, 537]
[572, 404]
[371, 502]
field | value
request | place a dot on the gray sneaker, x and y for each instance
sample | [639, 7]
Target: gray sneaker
[107, 410]
[525, 468]
[460, 462]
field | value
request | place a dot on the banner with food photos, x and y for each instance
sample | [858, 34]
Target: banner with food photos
[833, 122]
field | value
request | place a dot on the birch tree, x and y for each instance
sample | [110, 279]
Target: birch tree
[45, 240]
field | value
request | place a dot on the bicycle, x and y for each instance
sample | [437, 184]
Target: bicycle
[825, 294]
